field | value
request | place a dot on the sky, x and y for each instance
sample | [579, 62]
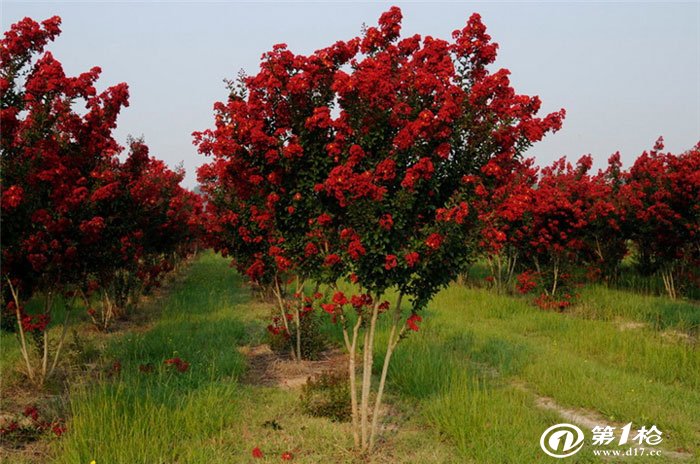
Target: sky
[626, 72]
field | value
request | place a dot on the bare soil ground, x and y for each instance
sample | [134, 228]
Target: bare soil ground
[269, 369]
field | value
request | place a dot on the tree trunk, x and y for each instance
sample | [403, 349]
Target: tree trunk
[352, 350]
[280, 302]
[20, 327]
[367, 374]
[393, 340]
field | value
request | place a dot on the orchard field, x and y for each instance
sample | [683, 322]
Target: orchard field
[370, 270]
[480, 382]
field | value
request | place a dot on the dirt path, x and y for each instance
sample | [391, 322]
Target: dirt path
[588, 419]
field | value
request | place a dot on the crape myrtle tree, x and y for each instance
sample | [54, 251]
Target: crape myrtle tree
[261, 206]
[605, 235]
[151, 223]
[554, 225]
[371, 148]
[571, 220]
[48, 155]
[503, 199]
[73, 215]
[551, 224]
[663, 199]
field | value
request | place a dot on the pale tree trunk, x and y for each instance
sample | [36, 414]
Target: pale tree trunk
[511, 270]
[278, 293]
[297, 317]
[556, 277]
[351, 345]
[367, 374]
[107, 310]
[20, 328]
[47, 370]
[391, 344]
[669, 283]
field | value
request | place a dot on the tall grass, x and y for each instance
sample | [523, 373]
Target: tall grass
[490, 425]
[165, 415]
[477, 350]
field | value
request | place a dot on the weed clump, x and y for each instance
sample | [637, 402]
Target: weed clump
[327, 395]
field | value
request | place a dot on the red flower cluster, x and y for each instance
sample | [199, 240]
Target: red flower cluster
[37, 424]
[434, 241]
[526, 282]
[413, 321]
[32, 412]
[35, 322]
[549, 302]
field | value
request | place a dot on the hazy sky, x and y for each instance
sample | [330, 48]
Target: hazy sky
[625, 72]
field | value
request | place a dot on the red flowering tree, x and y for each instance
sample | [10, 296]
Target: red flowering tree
[261, 206]
[504, 197]
[562, 228]
[566, 220]
[151, 223]
[74, 216]
[663, 195]
[48, 154]
[378, 140]
[605, 235]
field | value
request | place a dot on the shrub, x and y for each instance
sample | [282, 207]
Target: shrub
[327, 395]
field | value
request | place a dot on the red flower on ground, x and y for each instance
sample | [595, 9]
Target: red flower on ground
[31, 411]
[146, 368]
[287, 456]
[58, 429]
[257, 454]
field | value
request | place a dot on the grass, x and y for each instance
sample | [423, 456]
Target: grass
[204, 415]
[165, 415]
[464, 389]
[483, 348]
